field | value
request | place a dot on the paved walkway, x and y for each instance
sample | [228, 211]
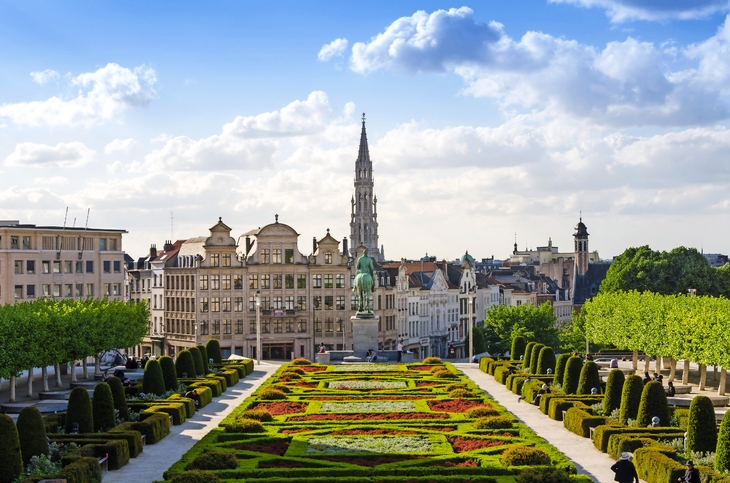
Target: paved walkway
[579, 450]
[157, 458]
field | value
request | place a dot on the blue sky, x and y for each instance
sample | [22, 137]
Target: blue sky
[484, 119]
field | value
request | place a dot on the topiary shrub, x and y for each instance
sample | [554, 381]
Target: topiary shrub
[482, 412]
[184, 365]
[521, 455]
[120, 400]
[702, 425]
[460, 393]
[560, 368]
[79, 411]
[211, 459]
[456, 385]
[291, 376]
[270, 394]
[589, 378]
[534, 356]
[614, 386]
[493, 422]
[432, 360]
[281, 387]
[444, 374]
[543, 475]
[102, 406]
[518, 348]
[168, 373]
[546, 360]
[630, 398]
[722, 451]
[204, 357]
[295, 370]
[198, 361]
[32, 434]
[214, 350]
[196, 477]
[11, 461]
[243, 425]
[153, 381]
[301, 361]
[528, 353]
[653, 403]
[257, 414]
[571, 377]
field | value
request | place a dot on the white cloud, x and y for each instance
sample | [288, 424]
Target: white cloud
[103, 96]
[62, 155]
[120, 145]
[334, 49]
[44, 76]
[627, 10]
[625, 83]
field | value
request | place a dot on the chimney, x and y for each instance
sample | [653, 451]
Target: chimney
[314, 245]
[248, 245]
[344, 247]
[153, 251]
[168, 245]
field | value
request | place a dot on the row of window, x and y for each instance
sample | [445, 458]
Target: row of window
[226, 326]
[64, 243]
[76, 290]
[235, 304]
[67, 266]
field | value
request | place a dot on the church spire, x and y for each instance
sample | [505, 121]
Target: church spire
[363, 221]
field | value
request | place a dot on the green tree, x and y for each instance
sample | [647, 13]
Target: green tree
[614, 386]
[102, 406]
[571, 378]
[11, 462]
[528, 321]
[630, 398]
[32, 433]
[653, 404]
[153, 382]
[702, 425]
[589, 378]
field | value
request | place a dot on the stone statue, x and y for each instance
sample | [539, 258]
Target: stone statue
[364, 283]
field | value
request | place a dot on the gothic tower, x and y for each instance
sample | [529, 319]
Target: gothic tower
[364, 215]
[581, 248]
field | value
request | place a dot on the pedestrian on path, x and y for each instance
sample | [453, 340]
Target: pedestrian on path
[691, 475]
[625, 469]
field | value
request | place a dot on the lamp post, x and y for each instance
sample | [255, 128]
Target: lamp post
[258, 327]
[471, 323]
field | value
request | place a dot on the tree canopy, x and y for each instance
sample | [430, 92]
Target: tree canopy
[533, 323]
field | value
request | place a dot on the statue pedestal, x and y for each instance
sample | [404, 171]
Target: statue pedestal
[364, 334]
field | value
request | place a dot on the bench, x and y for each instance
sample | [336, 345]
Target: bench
[680, 389]
[104, 463]
[144, 441]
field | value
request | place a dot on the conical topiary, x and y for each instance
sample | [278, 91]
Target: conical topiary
[526, 359]
[79, 411]
[630, 398]
[32, 434]
[518, 348]
[571, 378]
[103, 408]
[120, 399]
[546, 360]
[702, 425]
[214, 350]
[153, 382]
[11, 462]
[653, 403]
[614, 386]
[198, 361]
[204, 358]
[722, 451]
[534, 356]
[589, 378]
[168, 373]
[184, 365]
[560, 368]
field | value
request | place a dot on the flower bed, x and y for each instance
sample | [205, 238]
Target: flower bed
[411, 430]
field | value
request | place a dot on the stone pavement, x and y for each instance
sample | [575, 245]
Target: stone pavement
[579, 450]
[156, 458]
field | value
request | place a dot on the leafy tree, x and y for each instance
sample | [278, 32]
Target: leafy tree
[630, 398]
[653, 403]
[614, 386]
[702, 425]
[528, 321]
[589, 378]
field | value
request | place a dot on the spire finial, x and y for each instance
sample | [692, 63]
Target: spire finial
[363, 119]
[276, 217]
[581, 216]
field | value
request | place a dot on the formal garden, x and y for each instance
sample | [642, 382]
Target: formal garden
[421, 422]
[619, 414]
[113, 425]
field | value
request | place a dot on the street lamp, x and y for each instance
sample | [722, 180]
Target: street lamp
[471, 323]
[258, 327]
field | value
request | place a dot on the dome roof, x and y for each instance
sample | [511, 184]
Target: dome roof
[467, 259]
[580, 230]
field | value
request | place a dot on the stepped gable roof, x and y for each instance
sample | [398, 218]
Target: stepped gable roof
[586, 286]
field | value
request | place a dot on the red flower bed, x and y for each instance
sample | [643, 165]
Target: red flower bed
[448, 464]
[371, 432]
[274, 447]
[423, 368]
[366, 399]
[306, 384]
[282, 464]
[436, 428]
[279, 408]
[312, 368]
[454, 406]
[427, 383]
[463, 445]
[368, 417]
[381, 460]
[295, 430]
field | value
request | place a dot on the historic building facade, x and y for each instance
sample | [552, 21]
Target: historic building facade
[364, 211]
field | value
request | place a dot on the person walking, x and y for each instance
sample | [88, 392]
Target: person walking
[625, 469]
[399, 349]
[691, 474]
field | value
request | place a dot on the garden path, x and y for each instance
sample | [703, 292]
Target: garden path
[156, 458]
[579, 450]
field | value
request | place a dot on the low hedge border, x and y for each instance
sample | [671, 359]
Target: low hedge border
[619, 443]
[602, 433]
[560, 404]
[117, 451]
[155, 427]
[580, 422]
[657, 467]
[176, 409]
[546, 398]
[133, 439]
[189, 403]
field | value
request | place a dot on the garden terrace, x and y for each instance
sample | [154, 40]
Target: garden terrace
[378, 422]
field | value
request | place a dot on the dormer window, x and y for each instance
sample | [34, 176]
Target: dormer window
[215, 260]
[328, 258]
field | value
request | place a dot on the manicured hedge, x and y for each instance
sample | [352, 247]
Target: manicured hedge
[546, 360]
[535, 356]
[614, 386]
[204, 357]
[589, 378]
[518, 347]
[653, 403]
[116, 450]
[560, 368]
[133, 439]
[579, 421]
[656, 467]
[10, 458]
[155, 427]
[32, 434]
[185, 365]
[197, 361]
[630, 398]
[103, 408]
[168, 373]
[176, 409]
[214, 350]
[702, 425]
[722, 453]
[619, 443]
[571, 378]
[79, 411]
[153, 383]
[602, 433]
[80, 469]
[557, 405]
[120, 399]
[528, 354]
